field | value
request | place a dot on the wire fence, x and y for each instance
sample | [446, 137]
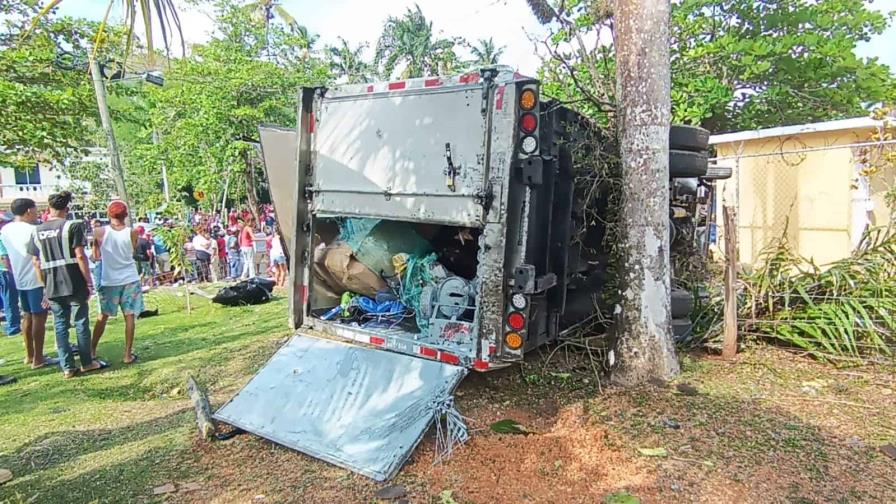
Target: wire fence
[814, 196]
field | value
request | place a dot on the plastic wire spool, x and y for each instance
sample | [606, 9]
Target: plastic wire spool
[451, 297]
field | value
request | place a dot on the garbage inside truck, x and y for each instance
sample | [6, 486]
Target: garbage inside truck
[397, 279]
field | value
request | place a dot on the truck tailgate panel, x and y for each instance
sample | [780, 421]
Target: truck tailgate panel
[359, 408]
[385, 156]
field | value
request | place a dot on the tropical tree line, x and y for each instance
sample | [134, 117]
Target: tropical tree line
[736, 64]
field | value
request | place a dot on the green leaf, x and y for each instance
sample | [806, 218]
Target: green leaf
[653, 452]
[622, 497]
[508, 426]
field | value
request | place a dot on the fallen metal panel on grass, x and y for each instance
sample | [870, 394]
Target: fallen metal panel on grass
[359, 408]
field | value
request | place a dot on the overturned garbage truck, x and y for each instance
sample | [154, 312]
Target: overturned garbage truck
[431, 221]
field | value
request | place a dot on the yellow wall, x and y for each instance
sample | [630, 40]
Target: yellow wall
[808, 194]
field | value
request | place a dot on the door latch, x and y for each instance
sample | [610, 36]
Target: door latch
[450, 171]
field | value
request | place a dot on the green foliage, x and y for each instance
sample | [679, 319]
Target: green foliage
[207, 113]
[844, 310]
[486, 53]
[739, 64]
[348, 62]
[409, 41]
[174, 239]
[47, 114]
[736, 64]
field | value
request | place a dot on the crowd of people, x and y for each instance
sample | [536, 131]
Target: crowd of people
[51, 262]
[220, 247]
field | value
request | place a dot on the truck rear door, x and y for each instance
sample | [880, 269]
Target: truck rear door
[403, 152]
[358, 408]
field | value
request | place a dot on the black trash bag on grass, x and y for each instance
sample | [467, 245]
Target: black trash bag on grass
[248, 292]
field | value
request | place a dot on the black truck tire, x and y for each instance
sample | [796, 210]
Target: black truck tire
[681, 329]
[684, 164]
[688, 138]
[682, 303]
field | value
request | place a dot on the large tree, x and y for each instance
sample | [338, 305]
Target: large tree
[408, 43]
[348, 62]
[486, 53]
[736, 64]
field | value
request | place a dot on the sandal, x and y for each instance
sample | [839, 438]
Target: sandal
[68, 375]
[102, 365]
[134, 359]
[48, 361]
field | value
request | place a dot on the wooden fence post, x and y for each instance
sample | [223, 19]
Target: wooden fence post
[729, 343]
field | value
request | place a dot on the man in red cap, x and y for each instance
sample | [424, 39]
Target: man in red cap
[115, 244]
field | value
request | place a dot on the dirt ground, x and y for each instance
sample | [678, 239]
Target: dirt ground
[768, 427]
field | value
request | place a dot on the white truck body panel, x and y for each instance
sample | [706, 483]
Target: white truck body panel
[384, 155]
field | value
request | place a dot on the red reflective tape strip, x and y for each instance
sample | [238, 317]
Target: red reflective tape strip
[449, 358]
[393, 86]
[304, 292]
[428, 352]
[376, 340]
[369, 89]
[499, 98]
[311, 123]
[492, 349]
[480, 364]
[470, 78]
[432, 82]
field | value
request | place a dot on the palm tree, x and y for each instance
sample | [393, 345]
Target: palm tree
[266, 11]
[486, 54]
[348, 62]
[153, 13]
[409, 40]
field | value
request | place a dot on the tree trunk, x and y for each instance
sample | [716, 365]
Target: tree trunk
[251, 194]
[644, 108]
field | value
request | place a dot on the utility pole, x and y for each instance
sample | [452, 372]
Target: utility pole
[643, 116]
[155, 140]
[106, 120]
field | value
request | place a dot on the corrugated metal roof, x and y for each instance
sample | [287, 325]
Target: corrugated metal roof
[841, 124]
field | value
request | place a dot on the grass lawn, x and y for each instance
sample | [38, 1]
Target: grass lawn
[767, 427]
[110, 437]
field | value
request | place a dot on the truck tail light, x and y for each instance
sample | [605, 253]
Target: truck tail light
[528, 99]
[529, 144]
[528, 123]
[516, 321]
[513, 340]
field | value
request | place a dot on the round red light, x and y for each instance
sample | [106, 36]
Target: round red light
[528, 123]
[516, 321]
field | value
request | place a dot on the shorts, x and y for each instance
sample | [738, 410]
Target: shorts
[31, 301]
[144, 268]
[278, 259]
[129, 297]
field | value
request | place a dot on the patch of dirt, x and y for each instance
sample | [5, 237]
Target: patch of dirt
[769, 427]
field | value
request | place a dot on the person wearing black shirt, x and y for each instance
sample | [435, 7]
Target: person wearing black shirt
[60, 261]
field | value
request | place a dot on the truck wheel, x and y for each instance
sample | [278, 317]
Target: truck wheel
[681, 329]
[682, 303]
[684, 164]
[688, 138]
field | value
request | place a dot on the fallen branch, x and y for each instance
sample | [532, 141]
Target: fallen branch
[203, 410]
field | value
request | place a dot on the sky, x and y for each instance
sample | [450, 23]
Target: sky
[508, 22]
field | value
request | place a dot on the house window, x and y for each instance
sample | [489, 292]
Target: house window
[28, 176]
